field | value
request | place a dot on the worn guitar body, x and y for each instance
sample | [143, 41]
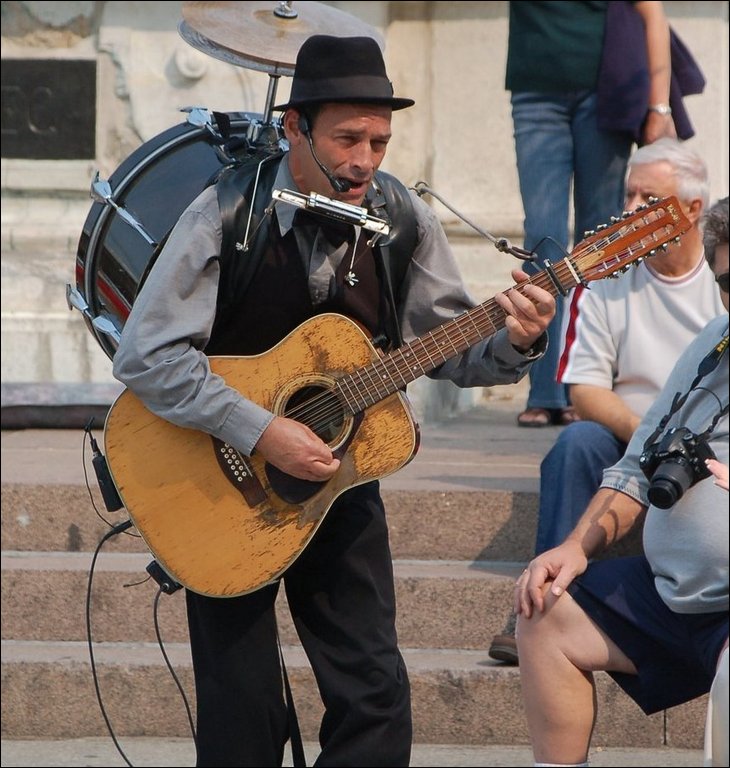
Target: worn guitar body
[221, 535]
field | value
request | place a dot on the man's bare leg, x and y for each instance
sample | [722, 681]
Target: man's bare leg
[559, 650]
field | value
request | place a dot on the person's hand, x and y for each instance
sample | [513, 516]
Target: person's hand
[720, 471]
[528, 311]
[656, 127]
[293, 448]
[558, 566]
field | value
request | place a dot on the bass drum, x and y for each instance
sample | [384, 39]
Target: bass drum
[131, 219]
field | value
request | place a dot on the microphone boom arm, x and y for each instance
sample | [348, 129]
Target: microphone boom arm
[500, 243]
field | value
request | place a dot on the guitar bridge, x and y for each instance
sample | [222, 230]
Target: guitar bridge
[238, 470]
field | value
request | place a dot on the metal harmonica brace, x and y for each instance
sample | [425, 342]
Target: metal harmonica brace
[351, 214]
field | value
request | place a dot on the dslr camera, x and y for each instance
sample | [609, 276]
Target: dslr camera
[674, 464]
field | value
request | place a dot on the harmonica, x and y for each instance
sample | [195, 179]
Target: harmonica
[351, 214]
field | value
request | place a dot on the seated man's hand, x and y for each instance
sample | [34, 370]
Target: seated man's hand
[557, 567]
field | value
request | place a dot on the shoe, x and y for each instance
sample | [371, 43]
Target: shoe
[504, 645]
[504, 648]
[564, 416]
[534, 417]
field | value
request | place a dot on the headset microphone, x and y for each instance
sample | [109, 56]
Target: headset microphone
[339, 185]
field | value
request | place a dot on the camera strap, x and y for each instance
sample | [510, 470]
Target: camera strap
[706, 366]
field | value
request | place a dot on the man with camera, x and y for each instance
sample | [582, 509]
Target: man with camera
[657, 623]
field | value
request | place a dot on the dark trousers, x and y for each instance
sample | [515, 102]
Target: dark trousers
[342, 599]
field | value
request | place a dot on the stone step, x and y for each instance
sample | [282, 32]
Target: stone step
[447, 604]
[458, 697]
[164, 752]
[455, 525]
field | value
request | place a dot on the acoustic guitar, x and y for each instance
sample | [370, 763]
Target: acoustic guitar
[224, 524]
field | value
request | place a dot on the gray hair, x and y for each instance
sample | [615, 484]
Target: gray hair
[689, 168]
[715, 229]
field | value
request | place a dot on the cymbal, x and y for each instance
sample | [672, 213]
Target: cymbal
[264, 35]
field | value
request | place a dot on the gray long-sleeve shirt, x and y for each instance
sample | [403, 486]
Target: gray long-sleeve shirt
[686, 545]
[160, 356]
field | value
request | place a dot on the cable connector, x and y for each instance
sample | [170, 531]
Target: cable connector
[109, 493]
[167, 584]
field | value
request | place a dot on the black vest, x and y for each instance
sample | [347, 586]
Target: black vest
[276, 298]
[263, 292]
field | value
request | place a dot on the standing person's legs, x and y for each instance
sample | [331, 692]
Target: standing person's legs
[342, 598]
[241, 712]
[601, 160]
[544, 149]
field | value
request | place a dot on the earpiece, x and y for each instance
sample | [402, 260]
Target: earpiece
[304, 124]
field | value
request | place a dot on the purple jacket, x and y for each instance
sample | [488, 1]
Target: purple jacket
[623, 79]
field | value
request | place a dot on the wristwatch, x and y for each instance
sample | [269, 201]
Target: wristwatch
[662, 109]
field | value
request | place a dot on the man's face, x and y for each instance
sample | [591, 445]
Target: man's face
[350, 140]
[649, 180]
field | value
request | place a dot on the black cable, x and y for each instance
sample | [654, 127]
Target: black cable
[117, 529]
[171, 670]
[114, 531]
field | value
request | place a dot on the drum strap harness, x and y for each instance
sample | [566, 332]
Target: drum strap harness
[254, 177]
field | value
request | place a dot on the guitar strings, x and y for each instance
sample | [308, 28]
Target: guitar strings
[327, 405]
[386, 375]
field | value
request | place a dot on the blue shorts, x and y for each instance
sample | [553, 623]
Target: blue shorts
[675, 654]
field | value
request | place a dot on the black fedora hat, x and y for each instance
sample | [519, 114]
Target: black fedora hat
[341, 69]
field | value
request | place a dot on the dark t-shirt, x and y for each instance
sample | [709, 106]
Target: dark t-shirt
[554, 45]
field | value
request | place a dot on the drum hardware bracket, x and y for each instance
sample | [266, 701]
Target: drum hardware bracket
[502, 244]
[285, 11]
[334, 209]
[101, 191]
[75, 300]
[201, 117]
[260, 133]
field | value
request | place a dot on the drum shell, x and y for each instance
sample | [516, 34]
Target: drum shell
[155, 184]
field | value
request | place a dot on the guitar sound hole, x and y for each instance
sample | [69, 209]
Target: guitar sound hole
[318, 408]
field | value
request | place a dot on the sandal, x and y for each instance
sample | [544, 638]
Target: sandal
[564, 416]
[534, 417]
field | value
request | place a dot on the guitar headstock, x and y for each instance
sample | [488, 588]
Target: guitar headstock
[627, 241]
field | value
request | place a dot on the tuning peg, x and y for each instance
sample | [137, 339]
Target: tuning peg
[589, 232]
[626, 214]
[653, 200]
[601, 227]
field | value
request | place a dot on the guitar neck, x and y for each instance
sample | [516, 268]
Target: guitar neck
[600, 255]
[393, 371]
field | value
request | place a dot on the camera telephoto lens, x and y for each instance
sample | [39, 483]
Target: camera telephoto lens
[669, 482]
